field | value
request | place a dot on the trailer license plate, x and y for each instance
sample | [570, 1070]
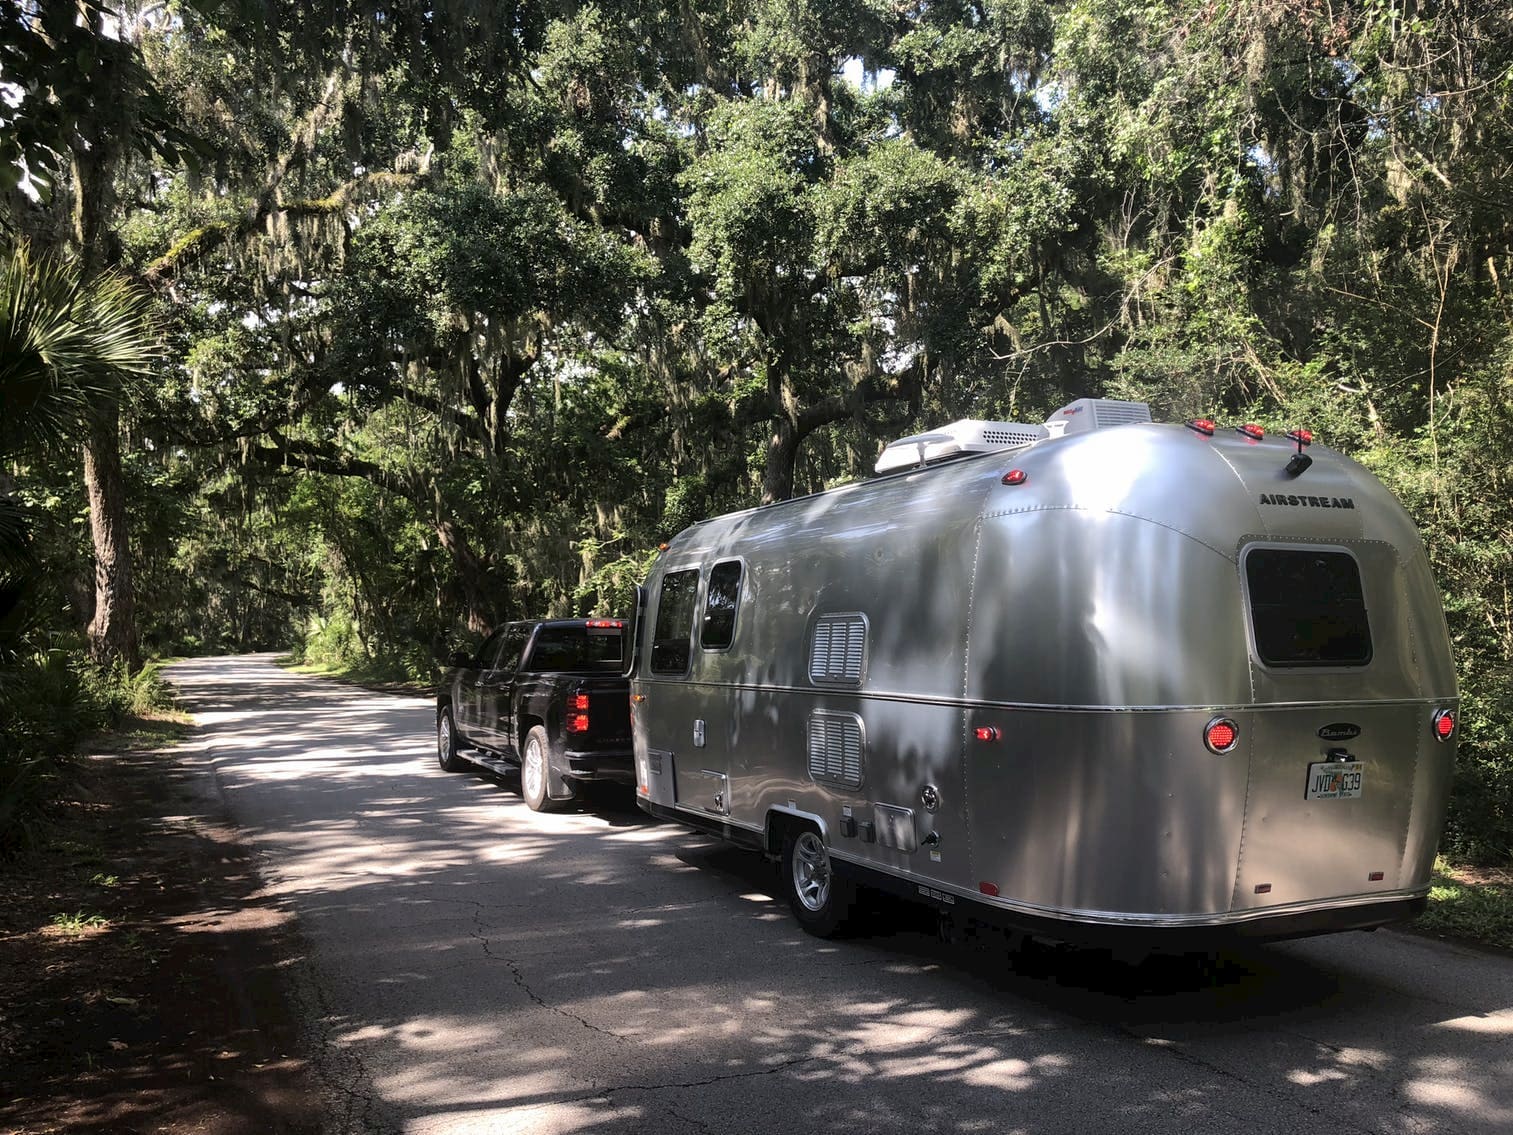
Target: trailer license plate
[1334, 780]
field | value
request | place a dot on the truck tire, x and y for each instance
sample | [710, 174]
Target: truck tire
[446, 742]
[821, 900]
[536, 772]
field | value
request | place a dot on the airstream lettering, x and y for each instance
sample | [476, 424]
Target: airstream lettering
[1080, 678]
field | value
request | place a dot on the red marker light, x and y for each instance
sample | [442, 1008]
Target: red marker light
[1251, 430]
[1221, 735]
[606, 624]
[1204, 426]
[1015, 477]
[1263, 888]
[1302, 437]
[1444, 724]
[987, 733]
[1376, 876]
[988, 888]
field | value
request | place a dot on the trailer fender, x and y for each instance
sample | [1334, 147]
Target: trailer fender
[781, 820]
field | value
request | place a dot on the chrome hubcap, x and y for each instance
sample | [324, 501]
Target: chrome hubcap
[531, 772]
[443, 740]
[811, 872]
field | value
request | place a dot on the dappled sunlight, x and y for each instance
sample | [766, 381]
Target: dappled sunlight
[483, 967]
[1499, 1023]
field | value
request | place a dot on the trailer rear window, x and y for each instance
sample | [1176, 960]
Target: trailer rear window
[578, 650]
[1307, 608]
[674, 630]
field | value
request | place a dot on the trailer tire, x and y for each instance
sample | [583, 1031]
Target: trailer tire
[446, 742]
[821, 900]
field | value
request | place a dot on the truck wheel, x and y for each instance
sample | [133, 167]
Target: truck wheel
[446, 742]
[536, 772]
[821, 899]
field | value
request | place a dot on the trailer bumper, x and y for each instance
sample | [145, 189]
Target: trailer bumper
[1184, 933]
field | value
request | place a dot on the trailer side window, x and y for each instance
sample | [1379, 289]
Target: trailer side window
[674, 630]
[720, 604]
[1307, 608]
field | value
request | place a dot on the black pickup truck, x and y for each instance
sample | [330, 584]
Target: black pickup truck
[549, 695]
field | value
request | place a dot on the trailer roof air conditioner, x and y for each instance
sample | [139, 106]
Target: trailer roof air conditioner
[965, 436]
[1088, 414]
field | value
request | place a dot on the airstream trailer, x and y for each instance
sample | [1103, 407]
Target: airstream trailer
[1098, 676]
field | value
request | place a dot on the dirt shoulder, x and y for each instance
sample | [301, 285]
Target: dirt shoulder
[142, 967]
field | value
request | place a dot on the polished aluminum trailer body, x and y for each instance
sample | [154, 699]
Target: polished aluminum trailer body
[997, 693]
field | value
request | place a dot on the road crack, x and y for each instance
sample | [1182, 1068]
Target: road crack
[518, 974]
[722, 1078]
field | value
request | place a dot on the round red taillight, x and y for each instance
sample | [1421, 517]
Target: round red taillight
[1221, 735]
[1443, 724]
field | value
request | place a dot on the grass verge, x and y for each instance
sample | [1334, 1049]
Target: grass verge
[1474, 904]
[381, 676]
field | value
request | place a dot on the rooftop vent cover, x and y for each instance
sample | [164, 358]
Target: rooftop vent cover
[965, 436]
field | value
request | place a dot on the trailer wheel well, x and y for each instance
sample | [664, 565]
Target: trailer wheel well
[779, 826]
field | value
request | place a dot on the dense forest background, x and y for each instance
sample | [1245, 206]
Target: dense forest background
[358, 327]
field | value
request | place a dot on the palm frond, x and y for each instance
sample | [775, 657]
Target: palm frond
[64, 345]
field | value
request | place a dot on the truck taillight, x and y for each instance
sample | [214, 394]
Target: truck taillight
[577, 713]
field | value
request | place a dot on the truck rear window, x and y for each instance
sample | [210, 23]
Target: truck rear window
[579, 649]
[1307, 607]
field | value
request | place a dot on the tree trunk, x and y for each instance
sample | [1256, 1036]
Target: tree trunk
[782, 458]
[112, 630]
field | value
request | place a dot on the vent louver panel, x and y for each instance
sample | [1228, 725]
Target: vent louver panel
[1108, 412]
[838, 649]
[835, 748]
[1025, 435]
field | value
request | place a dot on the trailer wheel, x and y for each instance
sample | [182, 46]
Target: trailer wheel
[821, 900]
[446, 742]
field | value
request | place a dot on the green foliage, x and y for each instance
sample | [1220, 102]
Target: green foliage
[478, 306]
[1476, 910]
[79, 922]
[49, 702]
[63, 342]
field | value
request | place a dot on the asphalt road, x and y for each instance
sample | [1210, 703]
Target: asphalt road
[474, 966]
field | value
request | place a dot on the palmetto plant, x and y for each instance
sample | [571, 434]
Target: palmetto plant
[64, 342]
